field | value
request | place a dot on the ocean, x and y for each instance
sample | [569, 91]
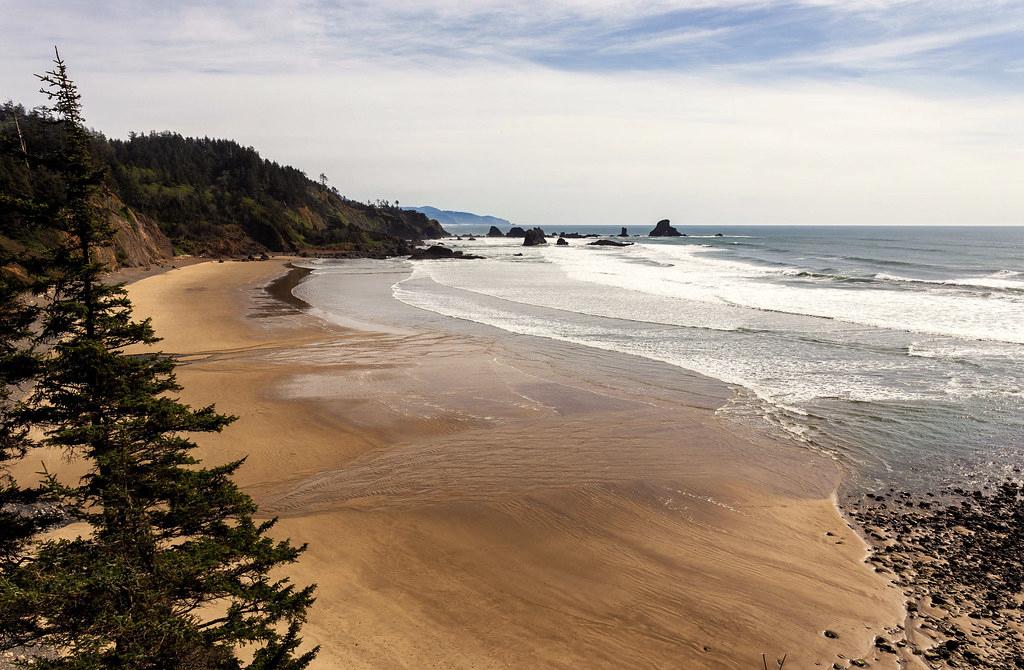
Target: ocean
[898, 351]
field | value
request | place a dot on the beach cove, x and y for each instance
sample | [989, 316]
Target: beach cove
[467, 507]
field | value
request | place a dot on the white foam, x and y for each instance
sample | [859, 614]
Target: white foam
[691, 273]
[682, 285]
[997, 280]
[789, 381]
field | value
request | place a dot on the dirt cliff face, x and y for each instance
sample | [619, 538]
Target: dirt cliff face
[138, 241]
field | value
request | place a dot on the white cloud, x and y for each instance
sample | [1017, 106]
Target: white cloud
[545, 147]
[665, 40]
[385, 110]
[887, 52]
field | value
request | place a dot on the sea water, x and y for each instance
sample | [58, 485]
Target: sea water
[897, 350]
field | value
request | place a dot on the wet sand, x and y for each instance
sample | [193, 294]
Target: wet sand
[468, 505]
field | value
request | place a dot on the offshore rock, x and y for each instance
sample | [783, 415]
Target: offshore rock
[534, 237]
[663, 229]
[437, 252]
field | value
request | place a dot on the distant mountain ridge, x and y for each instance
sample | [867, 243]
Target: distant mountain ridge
[448, 217]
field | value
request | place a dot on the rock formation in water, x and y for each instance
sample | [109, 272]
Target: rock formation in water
[624, 232]
[561, 242]
[494, 232]
[663, 229]
[439, 251]
[516, 231]
[534, 237]
[609, 243]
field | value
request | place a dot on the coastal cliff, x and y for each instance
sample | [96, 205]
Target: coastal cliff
[166, 194]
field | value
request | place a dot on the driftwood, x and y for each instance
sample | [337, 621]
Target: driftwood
[21, 141]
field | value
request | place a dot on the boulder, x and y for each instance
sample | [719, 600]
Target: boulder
[438, 251]
[494, 232]
[516, 231]
[609, 243]
[561, 242]
[534, 237]
[663, 229]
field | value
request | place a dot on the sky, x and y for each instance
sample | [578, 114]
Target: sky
[615, 112]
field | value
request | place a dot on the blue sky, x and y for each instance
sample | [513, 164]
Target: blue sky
[601, 111]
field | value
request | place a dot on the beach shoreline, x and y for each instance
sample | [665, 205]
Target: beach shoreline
[468, 508]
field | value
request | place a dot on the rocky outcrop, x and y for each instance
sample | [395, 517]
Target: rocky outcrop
[609, 243]
[561, 242]
[534, 237]
[516, 231]
[439, 251]
[963, 586]
[663, 229]
[624, 232]
[494, 232]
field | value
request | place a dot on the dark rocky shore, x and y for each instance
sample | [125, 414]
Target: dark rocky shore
[958, 557]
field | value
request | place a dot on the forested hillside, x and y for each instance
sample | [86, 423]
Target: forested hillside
[205, 195]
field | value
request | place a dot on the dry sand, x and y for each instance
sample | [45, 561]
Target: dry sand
[464, 511]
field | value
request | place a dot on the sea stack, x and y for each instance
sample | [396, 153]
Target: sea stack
[663, 229]
[561, 242]
[624, 232]
[534, 237]
[516, 231]
[494, 232]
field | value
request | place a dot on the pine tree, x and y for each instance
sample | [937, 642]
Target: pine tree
[23, 513]
[174, 571]
[18, 364]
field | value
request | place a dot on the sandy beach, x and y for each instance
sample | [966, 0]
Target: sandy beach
[467, 506]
